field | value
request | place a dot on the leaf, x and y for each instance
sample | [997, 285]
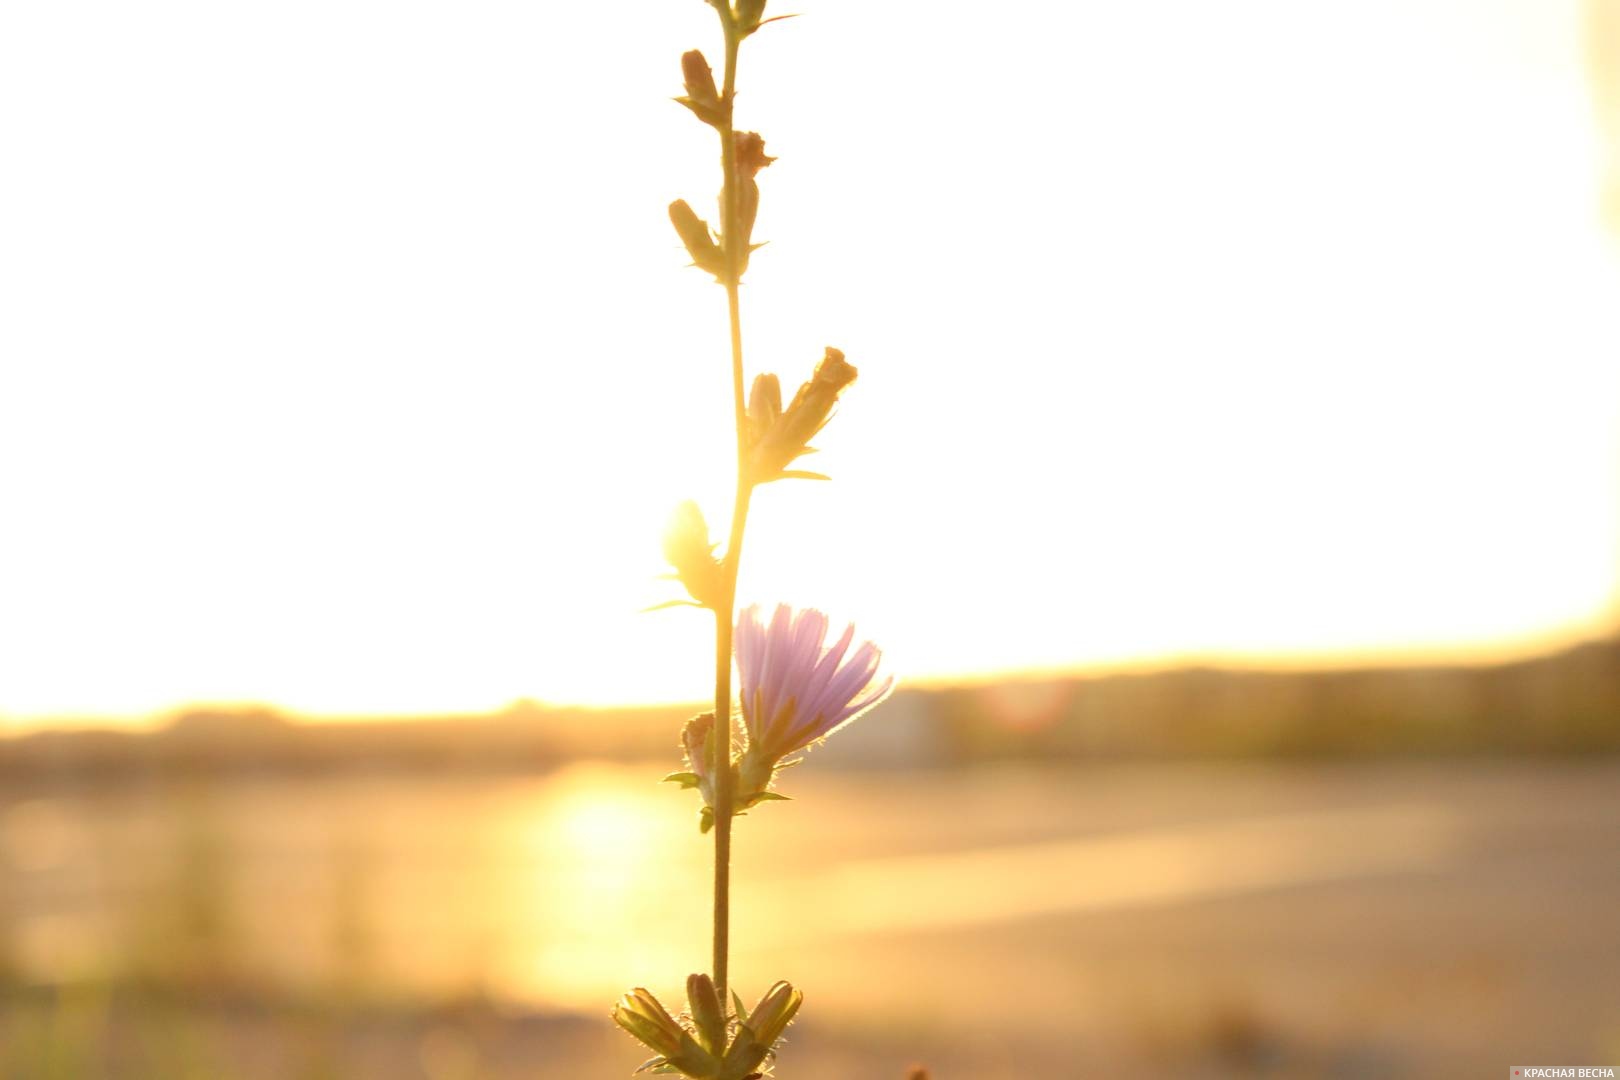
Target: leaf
[652, 1064]
[763, 22]
[801, 474]
[685, 779]
[697, 237]
[742, 1012]
[668, 604]
[705, 113]
[772, 796]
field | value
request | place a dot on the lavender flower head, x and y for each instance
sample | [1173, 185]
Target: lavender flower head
[797, 690]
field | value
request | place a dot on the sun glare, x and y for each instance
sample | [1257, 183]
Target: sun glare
[589, 837]
[362, 392]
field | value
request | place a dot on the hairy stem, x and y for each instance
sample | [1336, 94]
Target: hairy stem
[723, 795]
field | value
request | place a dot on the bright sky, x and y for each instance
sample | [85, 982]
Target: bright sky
[348, 362]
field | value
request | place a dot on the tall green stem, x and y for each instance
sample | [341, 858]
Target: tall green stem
[723, 794]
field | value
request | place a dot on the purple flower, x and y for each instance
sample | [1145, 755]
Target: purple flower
[795, 689]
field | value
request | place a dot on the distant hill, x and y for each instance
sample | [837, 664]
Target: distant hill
[1565, 703]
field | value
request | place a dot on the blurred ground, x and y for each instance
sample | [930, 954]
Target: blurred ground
[1418, 918]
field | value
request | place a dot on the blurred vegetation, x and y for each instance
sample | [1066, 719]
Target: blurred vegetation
[1564, 703]
[127, 1031]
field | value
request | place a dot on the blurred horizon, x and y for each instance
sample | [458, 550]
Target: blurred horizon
[1538, 647]
[1555, 702]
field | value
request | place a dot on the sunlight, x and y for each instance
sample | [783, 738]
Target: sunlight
[373, 402]
[591, 837]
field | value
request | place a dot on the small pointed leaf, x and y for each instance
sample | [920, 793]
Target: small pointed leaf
[706, 113]
[668, 604]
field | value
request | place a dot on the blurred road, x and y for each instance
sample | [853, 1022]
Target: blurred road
[1408, 919]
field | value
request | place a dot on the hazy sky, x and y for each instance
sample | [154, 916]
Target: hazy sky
[347, 360]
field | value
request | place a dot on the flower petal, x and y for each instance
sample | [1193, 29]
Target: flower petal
[822, 673]
[796, 690]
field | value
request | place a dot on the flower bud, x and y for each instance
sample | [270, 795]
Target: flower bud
[702, 97]
[640, 1014]
[789, 437]
[749, 14]
[707, 1014]
[688, 550]
[751, 158]
[764, 1026]
[699, 240]
[764, 406]
[774, 1012]
[698, 739]
[698, 77]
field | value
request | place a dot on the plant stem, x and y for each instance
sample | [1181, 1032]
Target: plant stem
[723, 794]
[723, 774]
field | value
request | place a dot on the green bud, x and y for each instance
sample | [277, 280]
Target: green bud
[688, 550]
[639, 1013]
[707, 1014]
[747, 211]
[699, 738]
[698, 238]
[764, 406]
[749, 14]
[789, 437]
[757, 1036]
[702, 96]
[698, 77]
[751, 158]
[775, 1012]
